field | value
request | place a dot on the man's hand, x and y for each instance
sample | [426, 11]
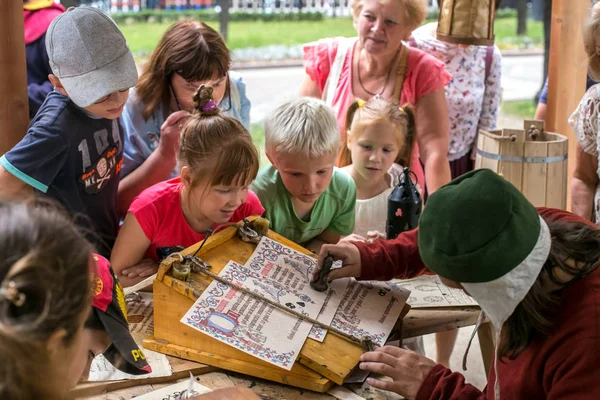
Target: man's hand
[344, 251]
[407, 369]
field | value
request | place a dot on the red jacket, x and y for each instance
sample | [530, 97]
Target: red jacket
[562, 365]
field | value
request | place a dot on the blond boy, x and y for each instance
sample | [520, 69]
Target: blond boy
[306, 198]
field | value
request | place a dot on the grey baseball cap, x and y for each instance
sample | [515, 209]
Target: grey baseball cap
[89, 54]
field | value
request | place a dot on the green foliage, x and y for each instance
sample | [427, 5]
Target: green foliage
[210, 15]
[142, 37]
[257, 131]
[522, 109]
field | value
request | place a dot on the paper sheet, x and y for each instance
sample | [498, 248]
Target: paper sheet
[429, 291]
[175, 392]
[249, 324]
[370, 309]
[140, 315]
[299, 269]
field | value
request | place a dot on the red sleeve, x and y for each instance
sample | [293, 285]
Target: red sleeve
[387, 259]
[443, 384]
[318, 57]
[425, 74]
[252, 206]
[572, 371]
[555, 214]
[145, 212]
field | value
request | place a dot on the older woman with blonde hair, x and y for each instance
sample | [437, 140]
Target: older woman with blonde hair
[585, 183]
[377, 63]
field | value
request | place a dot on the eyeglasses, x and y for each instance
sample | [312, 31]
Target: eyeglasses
[103, 99]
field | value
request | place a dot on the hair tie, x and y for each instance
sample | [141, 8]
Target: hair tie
[210, 106]
[13, 294]
[401, 109]
[361, 103]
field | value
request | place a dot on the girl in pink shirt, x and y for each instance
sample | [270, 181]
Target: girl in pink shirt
[218, 161]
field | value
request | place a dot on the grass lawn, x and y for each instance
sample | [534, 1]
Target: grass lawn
[522, 109]
[257, 130]
[142, 37]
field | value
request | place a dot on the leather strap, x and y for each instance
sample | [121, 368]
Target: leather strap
[401, 72]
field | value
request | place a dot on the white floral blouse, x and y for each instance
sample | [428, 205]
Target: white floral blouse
[586, 124]
[473, 101]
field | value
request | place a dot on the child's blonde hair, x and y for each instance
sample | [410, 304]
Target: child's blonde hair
[304, 126]
[591, 31]
[215, 145]
[380, 110]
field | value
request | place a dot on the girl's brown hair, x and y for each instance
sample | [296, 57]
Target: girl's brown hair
[376, 110]
[191, 49]
[215, 145]
[575, 252]
[44, 287]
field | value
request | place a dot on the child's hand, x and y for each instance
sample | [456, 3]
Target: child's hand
[345, 251]
[143, 269]
[170, 132]
[375, 235]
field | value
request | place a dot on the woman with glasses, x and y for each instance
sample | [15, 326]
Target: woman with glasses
[189, 54]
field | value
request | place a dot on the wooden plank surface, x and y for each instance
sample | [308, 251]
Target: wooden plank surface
[512, 171]
[423, 321]
[335, 358]
[534, 174]
[556, 180]
[174, 338]
[14, 103]
[567, 70]
[181, 369]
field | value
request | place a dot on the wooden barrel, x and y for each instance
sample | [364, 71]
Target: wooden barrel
[533, 160]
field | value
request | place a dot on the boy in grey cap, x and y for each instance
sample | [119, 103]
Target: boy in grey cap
[73, 148]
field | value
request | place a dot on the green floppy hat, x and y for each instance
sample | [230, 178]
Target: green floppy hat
[477, 228]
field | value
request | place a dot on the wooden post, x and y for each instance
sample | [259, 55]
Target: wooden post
[224, 18]
[566, 71]
[14, 104]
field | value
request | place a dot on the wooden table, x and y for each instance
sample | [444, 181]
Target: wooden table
[416, 323]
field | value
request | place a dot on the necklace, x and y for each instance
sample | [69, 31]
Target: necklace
[387, 78]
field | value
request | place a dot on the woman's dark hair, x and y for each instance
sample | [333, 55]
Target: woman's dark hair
[191, 49]
[217, 146]
[44, 287]
[575, 252]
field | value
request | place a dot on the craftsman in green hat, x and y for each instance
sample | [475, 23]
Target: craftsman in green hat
[533, 272]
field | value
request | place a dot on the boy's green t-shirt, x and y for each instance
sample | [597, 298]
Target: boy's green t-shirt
[333, 210]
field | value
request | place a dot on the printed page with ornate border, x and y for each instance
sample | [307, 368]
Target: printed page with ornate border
[429, 291]
[294, 270]
[370, 309]
[250, 324]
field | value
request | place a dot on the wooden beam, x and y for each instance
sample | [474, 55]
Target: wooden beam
[14, 104]
[566, 71]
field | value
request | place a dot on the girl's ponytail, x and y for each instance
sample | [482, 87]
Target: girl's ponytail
[204, 105]
[407, 120]
[344, 156]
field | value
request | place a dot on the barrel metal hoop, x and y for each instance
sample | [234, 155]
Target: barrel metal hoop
[519, 159]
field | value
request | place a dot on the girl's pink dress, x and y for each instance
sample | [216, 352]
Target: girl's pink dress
[424, 75]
